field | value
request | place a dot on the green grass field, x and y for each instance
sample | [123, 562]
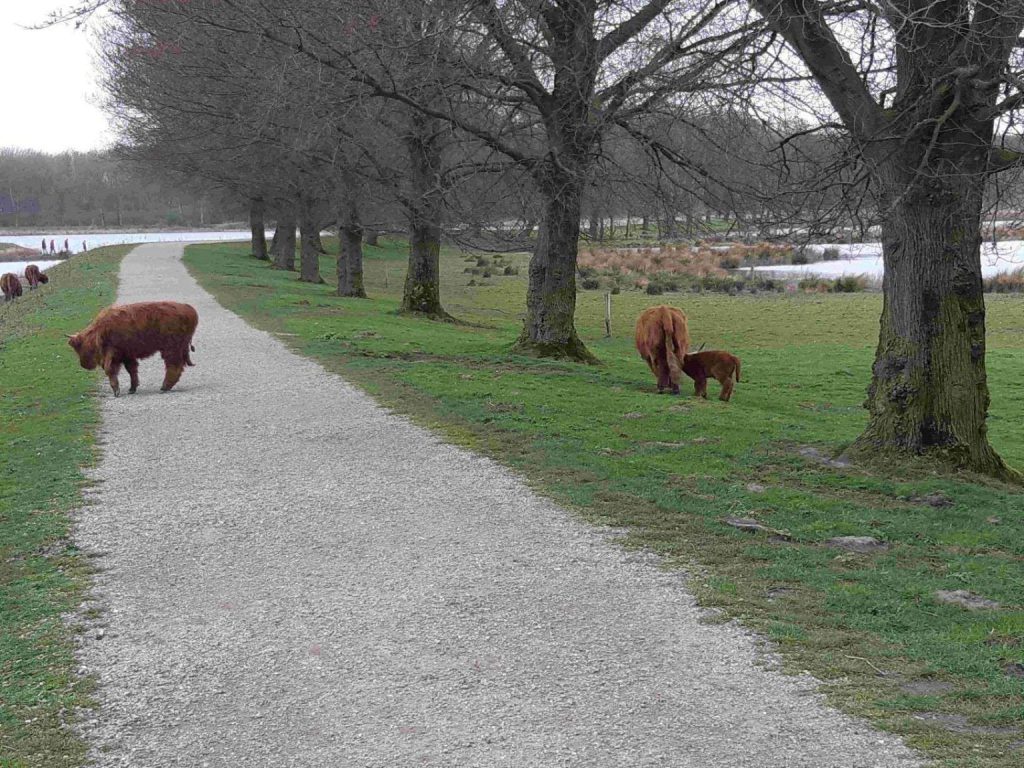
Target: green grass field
[671, 469]
[48, 416]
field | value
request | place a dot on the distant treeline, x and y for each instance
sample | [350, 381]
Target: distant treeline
[96, 189]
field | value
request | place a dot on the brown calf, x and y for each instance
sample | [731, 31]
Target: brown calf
[662, 339]
[713, 364]
[126, 333]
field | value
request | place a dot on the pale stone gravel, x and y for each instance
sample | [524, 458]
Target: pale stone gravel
[292, 576]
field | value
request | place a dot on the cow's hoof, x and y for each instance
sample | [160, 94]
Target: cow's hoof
[132, 391]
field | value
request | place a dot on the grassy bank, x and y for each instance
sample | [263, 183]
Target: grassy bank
[47, 422]
[672, 470]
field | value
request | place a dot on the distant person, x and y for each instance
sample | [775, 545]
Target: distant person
[67, 248]
[44, 245]
[84, 249]
[53, 247]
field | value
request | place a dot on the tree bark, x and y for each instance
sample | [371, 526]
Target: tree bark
[284, 237]
[309, 253]
[318, 241]
[929, 391]
[549, 329]
[422, 292]
[350, 251]
[257, 210]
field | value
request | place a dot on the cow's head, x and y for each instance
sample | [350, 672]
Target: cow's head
[86, 352]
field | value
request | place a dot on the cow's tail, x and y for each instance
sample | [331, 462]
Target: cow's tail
[674, 351]
[737, 371]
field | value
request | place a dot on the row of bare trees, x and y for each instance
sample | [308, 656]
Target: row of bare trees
[96, 189]
[364, 111]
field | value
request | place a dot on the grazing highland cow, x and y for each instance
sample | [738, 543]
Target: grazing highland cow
[126, 333]
[34, 276]
[10, 285]
[662, 339]
[713, 364]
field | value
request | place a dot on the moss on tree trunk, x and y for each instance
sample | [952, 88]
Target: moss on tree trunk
[929, 392]
[549, 329]
[422, 294]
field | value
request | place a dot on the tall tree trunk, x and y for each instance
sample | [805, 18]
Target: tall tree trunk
[318, 241]
[350, 250]
[549, 329]
[284, 237]
[929, 392]
[309, 232]
[422, 292]
[257, 225]
[423, 280]
[275, 241]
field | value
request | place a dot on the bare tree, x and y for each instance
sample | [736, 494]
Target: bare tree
[920, 88]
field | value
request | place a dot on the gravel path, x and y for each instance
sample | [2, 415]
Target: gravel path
[291, 576]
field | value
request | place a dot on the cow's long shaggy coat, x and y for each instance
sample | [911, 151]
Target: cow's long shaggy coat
[662, 339]
[10, 285]
[126, 333]
[34, 276]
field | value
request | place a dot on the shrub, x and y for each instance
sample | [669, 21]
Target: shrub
[831, 254]
[1008, 282]
[850, 284]
[487, 273]
[813, 285]
[616, 290]
[654, 289]
[590, 283]
[718, 284]
[471, 283]
[800, 257]
[510, 270]
[586, 271]
[729, 262]
[483, 262]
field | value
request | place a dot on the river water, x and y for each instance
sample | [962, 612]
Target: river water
[100, 239]
[866, 259]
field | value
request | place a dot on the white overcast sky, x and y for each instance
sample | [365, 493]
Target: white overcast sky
[50, 93]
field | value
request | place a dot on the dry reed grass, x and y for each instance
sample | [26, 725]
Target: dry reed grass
[700, 260]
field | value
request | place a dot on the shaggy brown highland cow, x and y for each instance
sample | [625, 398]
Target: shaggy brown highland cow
[126, 333]
[713, 364]
[662, 339]
[10, 285]
[34, 276]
